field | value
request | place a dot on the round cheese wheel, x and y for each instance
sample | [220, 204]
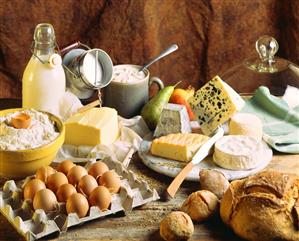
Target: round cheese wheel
[237, 152]
[246, 124]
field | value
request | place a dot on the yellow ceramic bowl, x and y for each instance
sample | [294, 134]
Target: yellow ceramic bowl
[22, 163]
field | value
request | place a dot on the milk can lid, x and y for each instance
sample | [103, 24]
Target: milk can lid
[96, 68]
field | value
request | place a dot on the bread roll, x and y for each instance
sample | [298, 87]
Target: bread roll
[263, 207]
[176, 226]
[201, 205]
[213, 181]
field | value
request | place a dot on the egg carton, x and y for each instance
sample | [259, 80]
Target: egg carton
[34, 224]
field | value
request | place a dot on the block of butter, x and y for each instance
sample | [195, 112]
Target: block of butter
[92, 127]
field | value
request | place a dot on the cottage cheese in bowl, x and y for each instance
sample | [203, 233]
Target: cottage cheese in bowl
[40, 132]
[127, 74]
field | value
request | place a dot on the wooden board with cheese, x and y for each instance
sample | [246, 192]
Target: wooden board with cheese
[171, 167]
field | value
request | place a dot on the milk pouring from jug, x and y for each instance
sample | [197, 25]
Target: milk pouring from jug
[43, 83]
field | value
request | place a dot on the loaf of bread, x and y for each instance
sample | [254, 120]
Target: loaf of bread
[263, 207]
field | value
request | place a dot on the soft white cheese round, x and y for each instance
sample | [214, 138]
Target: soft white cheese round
[246, 124]
[238, 152]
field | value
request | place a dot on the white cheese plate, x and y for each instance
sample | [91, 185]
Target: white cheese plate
[171, 167]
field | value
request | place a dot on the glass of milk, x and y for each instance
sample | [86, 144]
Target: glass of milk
[128, 90]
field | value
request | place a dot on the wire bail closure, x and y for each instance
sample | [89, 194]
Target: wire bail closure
[61, 53]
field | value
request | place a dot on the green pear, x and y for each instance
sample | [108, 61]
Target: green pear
[152, 110]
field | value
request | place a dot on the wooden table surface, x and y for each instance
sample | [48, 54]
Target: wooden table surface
[143, 222]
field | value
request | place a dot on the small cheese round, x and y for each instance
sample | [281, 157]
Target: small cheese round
[246, 124]
[238, 152]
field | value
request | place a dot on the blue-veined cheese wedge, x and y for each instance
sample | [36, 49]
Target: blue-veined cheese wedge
[214, 103]
[92, 127]
[174, 119]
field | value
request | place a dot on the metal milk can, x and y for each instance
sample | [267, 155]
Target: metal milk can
[87, 70]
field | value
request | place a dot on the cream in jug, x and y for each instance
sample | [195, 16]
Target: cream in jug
[43, 82]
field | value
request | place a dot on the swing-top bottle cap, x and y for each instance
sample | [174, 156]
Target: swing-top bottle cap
[44, 36]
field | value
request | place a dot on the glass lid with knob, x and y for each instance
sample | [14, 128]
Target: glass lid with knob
[266, 69]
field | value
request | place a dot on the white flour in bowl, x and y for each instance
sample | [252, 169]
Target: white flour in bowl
[40, 132]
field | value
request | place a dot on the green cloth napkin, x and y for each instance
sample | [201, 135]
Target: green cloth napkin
[280, 123]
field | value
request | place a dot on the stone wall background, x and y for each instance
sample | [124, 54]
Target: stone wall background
[213, 35]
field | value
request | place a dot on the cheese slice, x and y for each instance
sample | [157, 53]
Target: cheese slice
[246, 124]
[238, 152]
[174, 119]
[214, 103]
[92, 127]
[180, 146]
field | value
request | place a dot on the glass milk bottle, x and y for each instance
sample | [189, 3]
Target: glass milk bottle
[43, 79]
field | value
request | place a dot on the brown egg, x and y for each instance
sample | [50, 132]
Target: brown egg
[56, 180]
[44, 172]
[75, 174]
[20, 121]
[77, 203]
[65, 166]
[97, 169]
[45, 199]
[87, 184]
[100, 197]
[32, 187]
[111, 180]
[65, 191]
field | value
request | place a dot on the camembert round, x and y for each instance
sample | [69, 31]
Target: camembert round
[238, 152]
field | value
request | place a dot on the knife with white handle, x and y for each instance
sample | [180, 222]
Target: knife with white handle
[202, 152]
